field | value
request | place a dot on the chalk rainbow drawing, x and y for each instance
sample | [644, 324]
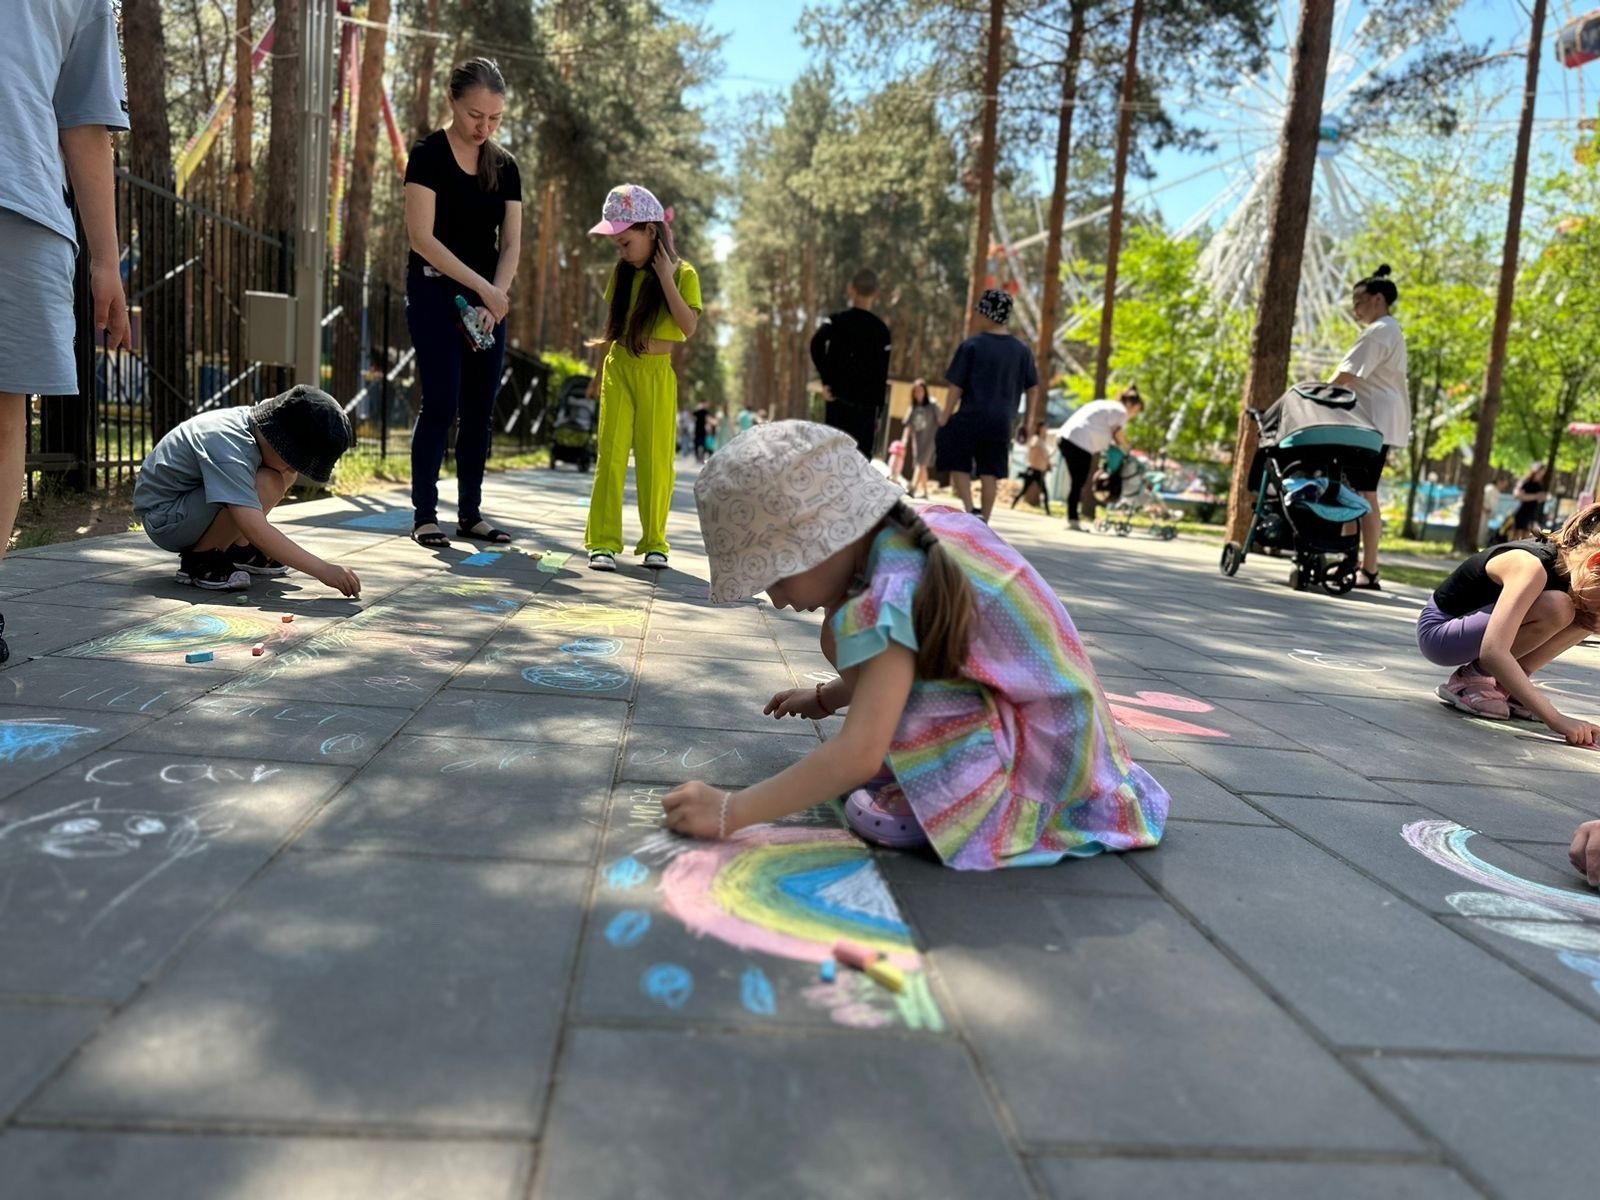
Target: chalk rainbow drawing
[1544, 916]
[179, 632]
[790, 892]
[37, 740]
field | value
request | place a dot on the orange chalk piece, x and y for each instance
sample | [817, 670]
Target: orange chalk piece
[887, 974]
[287, 618]
[855, 955]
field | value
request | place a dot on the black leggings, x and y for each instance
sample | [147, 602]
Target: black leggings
[1080, 465]
[1033, 475]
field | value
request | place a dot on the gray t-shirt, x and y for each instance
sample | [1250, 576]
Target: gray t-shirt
[59, 68]
[215, 452]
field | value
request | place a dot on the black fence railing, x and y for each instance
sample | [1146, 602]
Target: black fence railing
[186, 267]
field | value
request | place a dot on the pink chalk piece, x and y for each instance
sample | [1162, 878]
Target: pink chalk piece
[855, 955]
[258, 649]
[287, 618]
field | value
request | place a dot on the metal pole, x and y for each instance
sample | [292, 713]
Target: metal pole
[318, 33]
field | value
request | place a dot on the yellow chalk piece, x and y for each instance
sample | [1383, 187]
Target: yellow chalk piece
[887, 974]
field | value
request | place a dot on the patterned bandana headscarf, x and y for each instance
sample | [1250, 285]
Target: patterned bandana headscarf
[995, 305]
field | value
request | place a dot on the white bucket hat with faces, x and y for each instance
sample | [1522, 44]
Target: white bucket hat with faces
[781, 498]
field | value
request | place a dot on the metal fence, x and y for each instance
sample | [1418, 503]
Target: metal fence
[185, 268]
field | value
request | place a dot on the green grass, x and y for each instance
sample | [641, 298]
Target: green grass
[364, 470]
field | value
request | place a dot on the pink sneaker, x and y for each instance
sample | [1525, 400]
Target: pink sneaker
[1475, 693]
[883, 817]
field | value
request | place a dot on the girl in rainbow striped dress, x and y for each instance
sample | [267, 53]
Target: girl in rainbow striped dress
[975, 722]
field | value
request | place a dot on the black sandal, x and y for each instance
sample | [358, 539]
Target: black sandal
[1372, 584]
[482, 531]
[432, 541]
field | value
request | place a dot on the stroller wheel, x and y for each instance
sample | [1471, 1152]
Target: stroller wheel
[1123, 528]
[1338, 578]
[1296, 580]
[1168, 532]
[1232, 556]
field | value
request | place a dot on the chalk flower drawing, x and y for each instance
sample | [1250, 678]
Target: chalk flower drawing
[87, 831]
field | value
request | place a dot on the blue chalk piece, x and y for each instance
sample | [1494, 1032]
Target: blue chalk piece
[626, 873]
[627, 928]
[755, 992]
[198, 656]
[829, 971]
[668, 983]
[484, 558]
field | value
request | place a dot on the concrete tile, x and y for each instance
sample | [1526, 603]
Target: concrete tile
[373, 663]
[1284, 772]
[731, 696]
[50, 1165]
[107, 866]
[38, 574]
[1387, 751]
[1074, 1007]
[521, 660]
[1560, 954]
[833, 1087]
[134, 600]
[1200, 1179]
[1196, 798]
[292, 730]
[35, 1039]
[734, 932]
[1159, 654]
[1102, 875]
[581, 616]
[1513, 1124]
[665, 754]
[1145, 752]
[682, 619]
[33, 629]
[471, 797]
[1498, 811]
[508, 717]
[679, 642]
[359, 989]
[144, 689]
[1362, 967]
[1238, 687]
[36, 742]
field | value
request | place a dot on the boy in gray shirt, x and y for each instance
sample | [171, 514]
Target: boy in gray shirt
[205, 491]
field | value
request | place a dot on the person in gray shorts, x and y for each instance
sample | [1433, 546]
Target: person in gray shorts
[62, 95]
[207, 488]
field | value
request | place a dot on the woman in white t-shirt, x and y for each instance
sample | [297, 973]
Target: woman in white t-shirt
[1090, 431]
[1375, 370]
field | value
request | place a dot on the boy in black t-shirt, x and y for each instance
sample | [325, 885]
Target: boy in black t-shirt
[987, 377]
[851, 352]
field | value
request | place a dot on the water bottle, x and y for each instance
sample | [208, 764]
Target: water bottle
[469, 325]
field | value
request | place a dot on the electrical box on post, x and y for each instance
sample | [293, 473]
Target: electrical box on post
[269, 328]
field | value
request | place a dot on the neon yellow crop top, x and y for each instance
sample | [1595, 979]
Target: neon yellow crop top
[666, 328]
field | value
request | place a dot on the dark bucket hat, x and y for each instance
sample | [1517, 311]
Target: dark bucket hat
[307, 428]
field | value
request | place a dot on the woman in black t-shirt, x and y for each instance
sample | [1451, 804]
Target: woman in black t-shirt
[1531, 494]
[464, 218]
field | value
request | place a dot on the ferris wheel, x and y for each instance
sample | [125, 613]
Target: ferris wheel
[1245, 122]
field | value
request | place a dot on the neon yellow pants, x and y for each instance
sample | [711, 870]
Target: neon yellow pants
[638, 412]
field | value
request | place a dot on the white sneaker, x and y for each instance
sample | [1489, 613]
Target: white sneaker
[1075, 527]
[599, 560]
[656, 561]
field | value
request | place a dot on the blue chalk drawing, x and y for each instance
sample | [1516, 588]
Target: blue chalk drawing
[830, 891]
[756, 994]
[575, 676]
[35, 741]
[343, 743]
[1585, 964]
[627, 928]
[668, 983]
[626, 873]
[394, 518]
[499, 605]
[484, 558]
[593, 647]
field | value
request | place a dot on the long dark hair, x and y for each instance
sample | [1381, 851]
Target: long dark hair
[633, 329]
[943, 611]
[923, 384]
[484, 73]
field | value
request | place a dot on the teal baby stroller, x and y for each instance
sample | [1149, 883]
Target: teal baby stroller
[1310, 437]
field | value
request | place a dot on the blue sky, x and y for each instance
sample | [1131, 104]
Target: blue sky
[763, 52]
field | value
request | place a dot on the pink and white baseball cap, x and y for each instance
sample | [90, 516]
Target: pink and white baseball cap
[628, 204]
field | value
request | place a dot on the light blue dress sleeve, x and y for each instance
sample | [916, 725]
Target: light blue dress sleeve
[90, 89]
[866, 624]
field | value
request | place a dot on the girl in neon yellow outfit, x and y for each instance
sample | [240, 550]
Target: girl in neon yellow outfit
[653, 301]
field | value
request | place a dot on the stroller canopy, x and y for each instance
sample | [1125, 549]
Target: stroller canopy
[1330, 410]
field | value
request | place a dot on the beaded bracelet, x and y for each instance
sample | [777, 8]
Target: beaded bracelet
[722, 816]
[823, 704]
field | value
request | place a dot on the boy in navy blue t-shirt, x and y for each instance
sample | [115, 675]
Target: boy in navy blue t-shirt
[987, 378]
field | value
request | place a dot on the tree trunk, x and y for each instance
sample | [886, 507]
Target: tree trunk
[1108, 306]
[1273, 338]
[1058, 213]
[541, 267]
[986, 157]
[150, 138]
[1489, 410]
[283, 159]
[244, 110]
[369, 114]
[1417, 451]
[422, 110]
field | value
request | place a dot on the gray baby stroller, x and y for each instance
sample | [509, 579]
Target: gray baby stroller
[1310, 436]
[1128, 492]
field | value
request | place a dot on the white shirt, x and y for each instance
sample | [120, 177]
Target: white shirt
[1378, 362]
[1093, 427]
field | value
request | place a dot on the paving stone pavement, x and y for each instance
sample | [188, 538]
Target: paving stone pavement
[387, 911]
